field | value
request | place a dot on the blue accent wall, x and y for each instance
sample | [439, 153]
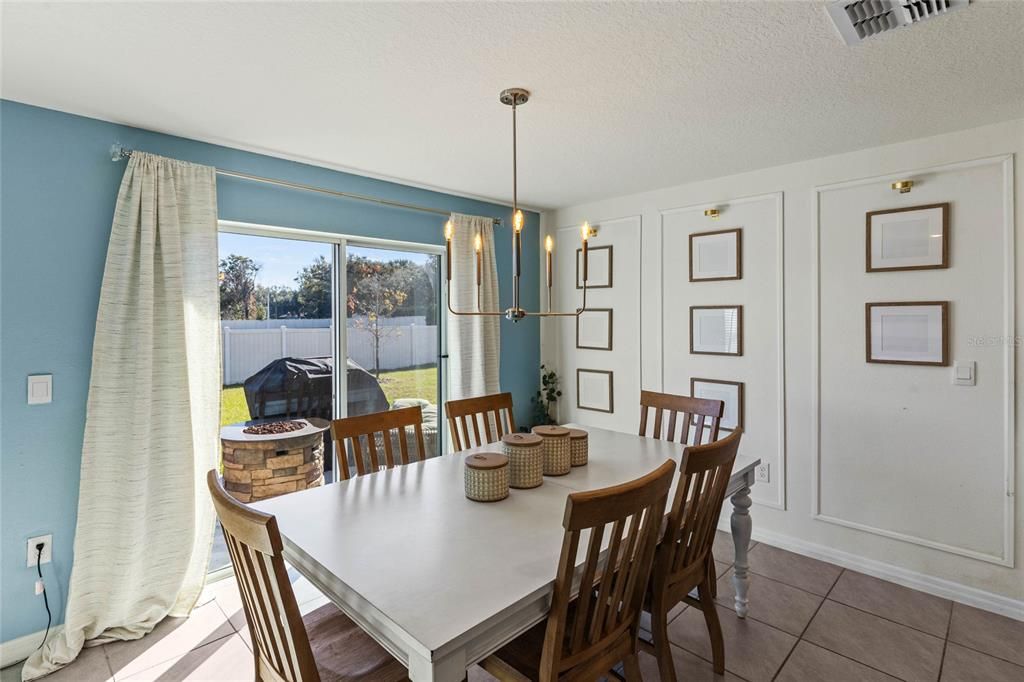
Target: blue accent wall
[58, 187]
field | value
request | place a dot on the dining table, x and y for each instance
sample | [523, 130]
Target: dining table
[441, 581]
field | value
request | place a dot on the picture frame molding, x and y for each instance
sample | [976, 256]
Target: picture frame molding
[739, 254]
[944, 206]
[611, 313]
[739, 329]
[943, 305]
[611, 389]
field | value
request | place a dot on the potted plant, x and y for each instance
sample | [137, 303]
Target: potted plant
[546, 397]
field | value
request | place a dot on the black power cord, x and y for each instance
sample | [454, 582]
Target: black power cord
[46, 602]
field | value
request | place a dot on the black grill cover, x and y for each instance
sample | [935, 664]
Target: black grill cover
[301, 387]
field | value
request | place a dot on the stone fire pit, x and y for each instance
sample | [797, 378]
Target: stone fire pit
[273, 458]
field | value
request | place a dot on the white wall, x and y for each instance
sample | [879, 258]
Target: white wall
[914, 482]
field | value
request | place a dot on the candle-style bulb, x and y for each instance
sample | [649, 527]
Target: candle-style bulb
[585, 230]
[549, 244]
[517, 220]
[449, 231]
[478, 244]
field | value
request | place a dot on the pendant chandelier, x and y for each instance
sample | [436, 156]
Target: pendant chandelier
[515, 97]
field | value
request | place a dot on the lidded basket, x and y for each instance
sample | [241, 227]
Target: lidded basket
[557, 452]
[525, 459]
[579, 446]
[487, 477]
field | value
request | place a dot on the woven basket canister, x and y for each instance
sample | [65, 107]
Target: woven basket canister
[525, 459]
[557, 454]
[487, 477]
[578, 446]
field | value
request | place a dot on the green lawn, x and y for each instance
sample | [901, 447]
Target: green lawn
[407, 383]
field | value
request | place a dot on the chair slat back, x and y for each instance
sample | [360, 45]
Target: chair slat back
[596, 631]
[703, 478]
[702, 414]
[254, 543]
[487, 417]
[368, 442]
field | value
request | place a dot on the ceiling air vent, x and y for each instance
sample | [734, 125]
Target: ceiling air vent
[861, 19]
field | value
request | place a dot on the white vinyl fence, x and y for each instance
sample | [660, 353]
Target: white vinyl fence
[245, 351]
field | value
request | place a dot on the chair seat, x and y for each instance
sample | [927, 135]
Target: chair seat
[523, 653]
[342, 650]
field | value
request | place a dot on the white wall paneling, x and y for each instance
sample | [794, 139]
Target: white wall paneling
[760, 291]
[880, 430]
[623, 234]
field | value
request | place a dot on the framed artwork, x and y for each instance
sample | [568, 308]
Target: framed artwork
[594, 329]
[729, 392]
[594, 390]
[715, 256]
[912, 238]
[908, 332]
[599, 269]
[716, 329]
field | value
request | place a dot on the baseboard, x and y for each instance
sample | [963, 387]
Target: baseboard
[17, 650]
[971, 596]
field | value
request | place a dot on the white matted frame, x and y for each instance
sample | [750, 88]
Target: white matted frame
[909, 238]
[716, 329]
[600, 263]
[780, 501]
[1009, 324]
[716, 256]
[595, 390]
[594, 328]
[907, 333]
[729, 392]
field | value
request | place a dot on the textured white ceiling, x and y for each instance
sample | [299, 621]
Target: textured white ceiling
[626, 97]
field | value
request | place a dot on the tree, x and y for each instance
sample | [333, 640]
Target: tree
[238, 299]
[375, 293]
[313, 298]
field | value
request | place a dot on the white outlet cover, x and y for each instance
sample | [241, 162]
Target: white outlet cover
[32, 553]
[762, 473]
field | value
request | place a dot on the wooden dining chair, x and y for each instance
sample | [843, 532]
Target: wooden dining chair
[288, 647]
[489, 410]
[700, 413]
[681, 560]
[361, 439]
[584, 637]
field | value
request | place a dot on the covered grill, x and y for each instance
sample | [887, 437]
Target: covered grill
[301, 387]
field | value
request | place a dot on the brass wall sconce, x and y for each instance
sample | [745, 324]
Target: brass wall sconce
[591, 230]
[711, 213]
[903, 186]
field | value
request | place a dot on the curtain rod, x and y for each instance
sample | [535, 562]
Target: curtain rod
[118, 153]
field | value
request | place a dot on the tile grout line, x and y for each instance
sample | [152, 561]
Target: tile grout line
[945, 642]
[800, 637]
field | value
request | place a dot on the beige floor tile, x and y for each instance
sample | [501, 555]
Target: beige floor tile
[881, 644]
[961, 664]
[90, 666]
[753, 650]
[989, 633]
[721, 568]
[724, 548]
[808, 574]
[688, 667]
[478, 674]
[916, 609]
[777, 604]
[171, 639]
[810, 662]
[226, 660]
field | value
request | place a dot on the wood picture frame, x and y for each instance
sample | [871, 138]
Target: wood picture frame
[725, 272]
[922, 339]
[733, 390]
[604, 345]
[607, 281]
[603, 404]
[736, 334]
[914, 239]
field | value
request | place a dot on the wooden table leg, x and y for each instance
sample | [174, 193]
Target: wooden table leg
[741, 524]
[451, 668]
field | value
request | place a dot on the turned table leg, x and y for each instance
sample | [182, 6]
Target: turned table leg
[741, 524]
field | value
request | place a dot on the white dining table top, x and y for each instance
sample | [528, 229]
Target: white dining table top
[435, 564]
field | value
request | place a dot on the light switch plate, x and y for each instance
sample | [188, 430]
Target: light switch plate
[963, 372]
[40, 389]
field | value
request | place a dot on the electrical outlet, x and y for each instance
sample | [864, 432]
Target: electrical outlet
[761, 473]
[33, 553]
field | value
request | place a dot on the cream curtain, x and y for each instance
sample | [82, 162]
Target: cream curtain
[145, 520]
[474, 343]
